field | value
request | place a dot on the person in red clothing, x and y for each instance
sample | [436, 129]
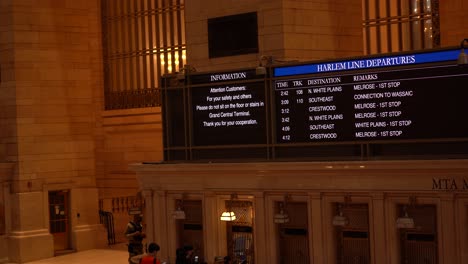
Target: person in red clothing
[148, 258]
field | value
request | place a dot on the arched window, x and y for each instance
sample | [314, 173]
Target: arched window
[142, 40]
[400, 25]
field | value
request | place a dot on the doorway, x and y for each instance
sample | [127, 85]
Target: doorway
[240, 233]
[353, 237]
[190, 228]
[294, 234]
[59, 219]
[419, 244]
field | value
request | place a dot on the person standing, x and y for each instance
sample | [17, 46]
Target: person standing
[135, 236]
[184, 255]
[227, 260]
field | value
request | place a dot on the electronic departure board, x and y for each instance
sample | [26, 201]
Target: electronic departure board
[366, 100]
[414, 103]
[369, 107]
[228, 108]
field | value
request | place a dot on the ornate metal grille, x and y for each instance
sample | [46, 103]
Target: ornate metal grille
[240, 232]
[124, 203]
[142, 40]
[400, 25]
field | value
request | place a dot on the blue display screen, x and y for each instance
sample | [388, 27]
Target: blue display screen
[368, 63]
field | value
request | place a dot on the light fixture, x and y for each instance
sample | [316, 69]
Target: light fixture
[184, 71]
[281, 217]
[179, 213]
[229, 215]
[405, 221]
[263, 62]
[463, 58]
[340, 219]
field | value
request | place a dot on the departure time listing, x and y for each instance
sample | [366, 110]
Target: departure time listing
[369, 106]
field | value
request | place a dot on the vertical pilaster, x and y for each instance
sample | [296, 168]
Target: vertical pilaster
[159, 210]
[328, 230]
[447, 235]
[461, 218]
[29, 228]
[149, 214]
[377, 229]
[271, 233]
[210, 224]
[316, 227]
[259, 228]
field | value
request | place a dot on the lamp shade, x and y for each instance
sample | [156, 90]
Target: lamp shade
[405, 221]
[340, 220]
[178, 214]
[462, 58]
[228, 216]
[281, 218]
[260, 70]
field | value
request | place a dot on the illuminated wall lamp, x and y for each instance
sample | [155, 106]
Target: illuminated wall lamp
[463, 58]
[178, 213]
[184, 71]
[340, 219]
[229, 215]
[263, 62]
[281, 217]
[405, 221]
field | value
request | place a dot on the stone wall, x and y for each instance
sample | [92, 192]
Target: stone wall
[53, 82]
[453, 22]
[287, 30]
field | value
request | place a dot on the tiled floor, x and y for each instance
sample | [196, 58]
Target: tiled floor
[115, 254]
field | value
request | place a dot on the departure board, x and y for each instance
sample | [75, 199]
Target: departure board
[422, 102]
[381, 106]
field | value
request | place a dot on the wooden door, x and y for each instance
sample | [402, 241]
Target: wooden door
[59, 219]
[419, 244]
[294, 235]
[353, 239]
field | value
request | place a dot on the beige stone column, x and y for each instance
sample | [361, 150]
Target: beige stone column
[378, 240]
[392, 232]
[149, 214]
[328, 230]
[271, 229]
[260, 240]
[171, 227]
[159, 210]
[448, 243]
[461, 229]
[210, 224]
[29, 228]
[316, 227]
